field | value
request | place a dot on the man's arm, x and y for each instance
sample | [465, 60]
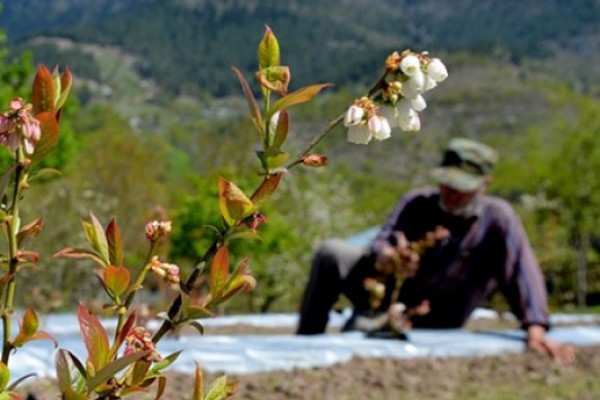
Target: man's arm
[525, 290]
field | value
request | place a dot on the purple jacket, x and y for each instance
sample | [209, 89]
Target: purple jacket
[487, 248]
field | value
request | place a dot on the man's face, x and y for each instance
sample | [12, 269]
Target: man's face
[455, 200]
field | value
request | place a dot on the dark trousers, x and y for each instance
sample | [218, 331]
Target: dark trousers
[337, 268]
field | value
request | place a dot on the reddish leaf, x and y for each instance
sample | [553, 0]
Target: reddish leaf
[275, 79]
[31, 229]
[117, 279]
[299, 96]
[94, 337]
[254, 110]
[198, 384]
[219, 272]
[43, 94]
[63, 372]
[115, 244]
[281, 132]
[160, 390]
[49, 139]
[129, 323]
[70, 252]
[267, 187]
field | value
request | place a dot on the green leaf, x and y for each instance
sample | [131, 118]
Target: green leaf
[4, 376]
[5, 180]
[220, 389]
[30, 322]
[233, 203]
[273, 158]
[115, 244]
[164, 363]
[49, 138]
[66, 81]
[301, 95]
[19, 380]
[140, 369]
[111, 369]
[43, 94]
[198, 326]
[96, 237]
[268, 50]
[94, 336]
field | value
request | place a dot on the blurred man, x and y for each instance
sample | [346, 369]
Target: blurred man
[469, 244]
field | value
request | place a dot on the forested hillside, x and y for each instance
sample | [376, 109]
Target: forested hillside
[189, 45]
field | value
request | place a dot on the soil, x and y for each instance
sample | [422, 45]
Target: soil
[510, 376]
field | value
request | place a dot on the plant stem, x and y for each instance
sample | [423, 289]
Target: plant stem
[313, 143]
[138, 282]
[13, 226]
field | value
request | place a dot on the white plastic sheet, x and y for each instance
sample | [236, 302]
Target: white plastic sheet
[243, 354]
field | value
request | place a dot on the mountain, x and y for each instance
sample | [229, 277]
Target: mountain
[190, 45]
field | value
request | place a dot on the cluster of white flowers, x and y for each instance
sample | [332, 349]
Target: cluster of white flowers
[400, 99]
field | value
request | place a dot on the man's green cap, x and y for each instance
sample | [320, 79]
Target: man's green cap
[466, 165]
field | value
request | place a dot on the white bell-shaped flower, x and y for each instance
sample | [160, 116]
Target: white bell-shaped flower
[437, 70]
[379, 127]
[418, 103]
[410, 65]
[354, 116]
[359, 134]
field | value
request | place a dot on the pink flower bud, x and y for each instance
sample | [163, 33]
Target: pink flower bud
[156, 230]
[315, 160]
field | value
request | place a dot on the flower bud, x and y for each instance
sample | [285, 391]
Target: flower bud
[410, 65]
[315, 160]
[437, 70]
[157, 229]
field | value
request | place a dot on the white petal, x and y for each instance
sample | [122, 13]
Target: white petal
[437, 70]
[354, 115]
[359, 134]
[374, 124]
[418, 103]
[429, 83]
[410, 65]
[417, 82]
[385, 131]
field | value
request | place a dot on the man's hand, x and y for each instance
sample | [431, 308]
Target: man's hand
[540, 343]
[398, 258]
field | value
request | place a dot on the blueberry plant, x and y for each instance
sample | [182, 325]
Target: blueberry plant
[128, 361]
